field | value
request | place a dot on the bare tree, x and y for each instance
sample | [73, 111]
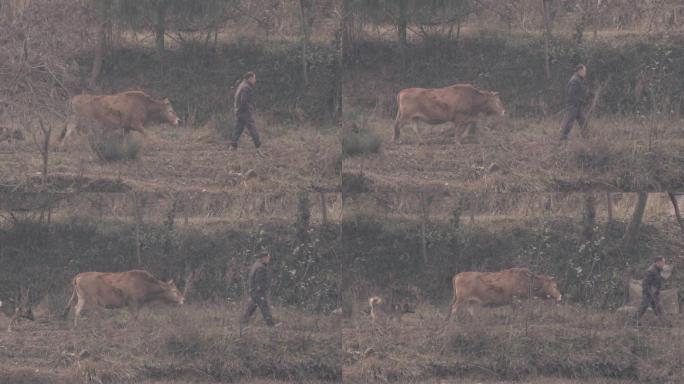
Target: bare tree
[160, 24]
[635, 223]
[546, 9]
[425, 203]
[589, 216]
[139, 203]
[675, 205]
[305, 13]
[103, 9]
[43, 144]
[402, 23]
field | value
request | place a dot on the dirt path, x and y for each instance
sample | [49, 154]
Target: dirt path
[524, 157]
[179, 160]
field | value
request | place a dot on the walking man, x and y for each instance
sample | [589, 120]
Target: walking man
[259, 284]
[244, 108]
[650, 289]
[576, 95]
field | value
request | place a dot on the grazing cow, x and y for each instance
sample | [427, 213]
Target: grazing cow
[381, 310]
[129, 289]
[16, 309]
[492, 289]
[459, 104]
[127, 110]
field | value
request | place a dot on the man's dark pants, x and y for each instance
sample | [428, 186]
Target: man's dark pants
[245, 120]
[574, 113]
[254, 303]
[649, 300]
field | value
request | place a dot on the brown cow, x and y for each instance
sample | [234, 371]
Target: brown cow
[460, 104]
[495, 289]
[127, 110]
[16, 309]
[380, 310]
[115, 290]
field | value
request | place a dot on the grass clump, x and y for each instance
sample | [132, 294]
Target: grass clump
[114, 148]
[360, 141]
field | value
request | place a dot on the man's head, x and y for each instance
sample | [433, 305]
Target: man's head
[581, 70]
[265, 257]
[659, 262]
[250, 77]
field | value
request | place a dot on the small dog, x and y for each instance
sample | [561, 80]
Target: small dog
[15, 311]
[381, 310]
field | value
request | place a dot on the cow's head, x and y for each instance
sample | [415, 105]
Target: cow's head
[171, 293]
[494, 104]
[167, 112]
[548, 288]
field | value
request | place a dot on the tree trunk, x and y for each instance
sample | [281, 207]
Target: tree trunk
[609, 207]
[324, 209]
[589, 216]
[303, 17]
[160, 26]
[596, 18]
[675, 205]
[346, 38]
[139, 206]
[100, 50]
[633, 228]
[402, 24]
[547, 37]
[426, 201]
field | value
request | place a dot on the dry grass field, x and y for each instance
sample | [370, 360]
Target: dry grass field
[539, 343]
[181, 160]
[523, 155]
[197, 343]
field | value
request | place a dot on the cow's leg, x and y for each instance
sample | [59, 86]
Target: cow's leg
[69, 127]
[138, 126]
[134, 310]
[77, 311]
[471, 309]
[453, 311]
[459, 129]
[397, 128]
[414, 126]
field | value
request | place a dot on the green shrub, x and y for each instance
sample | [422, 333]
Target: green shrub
[360, 142]
[112, 148]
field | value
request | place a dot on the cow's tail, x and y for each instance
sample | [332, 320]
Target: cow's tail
[453, 301]
[398, 107]
[71, 300]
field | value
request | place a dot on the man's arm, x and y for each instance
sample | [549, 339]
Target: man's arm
[574, 90]
[649, 279]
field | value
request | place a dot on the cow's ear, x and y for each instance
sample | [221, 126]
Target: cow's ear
[166, 100]
[495, 93]
[169, 282]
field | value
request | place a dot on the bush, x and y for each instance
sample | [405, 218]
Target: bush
[360, 142]
[112, 148]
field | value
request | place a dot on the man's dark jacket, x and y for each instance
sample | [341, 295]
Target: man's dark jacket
[652, 281]
[576, 91]
[259, 280]
[243, 99]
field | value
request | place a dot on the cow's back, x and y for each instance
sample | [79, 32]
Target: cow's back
[493, 288]
[437, 104]
[95, 289]
[135, 284]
